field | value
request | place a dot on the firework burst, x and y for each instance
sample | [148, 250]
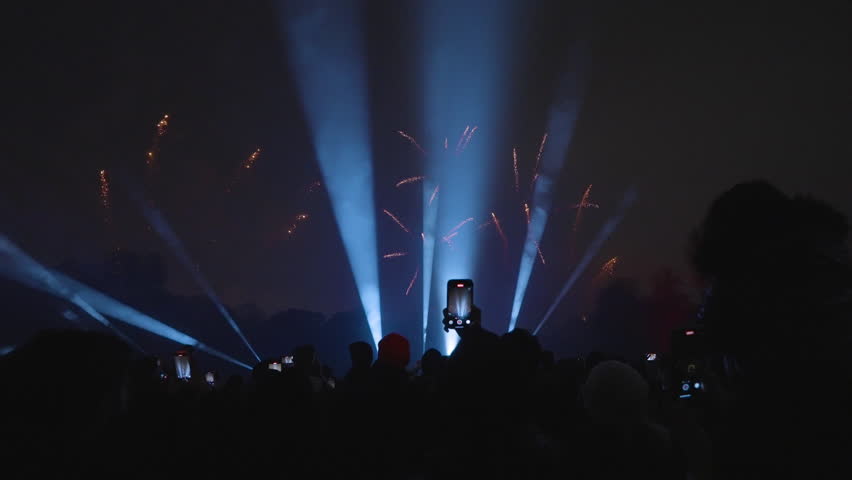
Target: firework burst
[515, 167]
[500, 231]
[413, 279]
[395, 219]
[608, 268]
[248, 164]
[412, 141]
[104, 192]
[406, 181]
[161, 127]
[538, 157]
[434, 194]
[540, 255]
[584, 204]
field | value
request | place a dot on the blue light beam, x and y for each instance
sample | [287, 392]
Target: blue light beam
[327, 58]
[560, 127]
[20, 266]
[161, 226]
[600, 238]
[466, 73]
[24, 269]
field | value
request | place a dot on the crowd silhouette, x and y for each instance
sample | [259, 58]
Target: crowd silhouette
[770, 351]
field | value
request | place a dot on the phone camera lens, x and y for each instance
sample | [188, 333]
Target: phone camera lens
[458, 322]
[684, 387]
[697, 385]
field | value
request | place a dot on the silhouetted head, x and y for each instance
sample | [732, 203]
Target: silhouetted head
[520, 352]
[304, 357]
[615, 394]
[431, 362]
[361, 354]
[394, 350]
[778, 267]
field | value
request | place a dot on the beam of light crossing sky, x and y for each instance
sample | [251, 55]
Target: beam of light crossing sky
[563, 118]
[22, 268]
[327, 60]
[465, 70]
[161, 226]
[591, 251]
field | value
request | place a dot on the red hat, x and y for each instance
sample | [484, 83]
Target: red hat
[395, 350]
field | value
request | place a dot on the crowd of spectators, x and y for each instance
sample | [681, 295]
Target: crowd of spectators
[775, 399]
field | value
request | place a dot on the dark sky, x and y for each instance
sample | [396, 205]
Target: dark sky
[682, 100]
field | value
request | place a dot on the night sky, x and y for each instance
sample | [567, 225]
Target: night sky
[681, 101]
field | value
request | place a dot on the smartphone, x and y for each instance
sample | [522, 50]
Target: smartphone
[288, 360]
[459, 303]
[210, 378]
[182, 366]
[650, 357]
[688, 367]
[274, 366]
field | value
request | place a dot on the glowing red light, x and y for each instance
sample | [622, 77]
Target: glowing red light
[690, 332]
[460, 285]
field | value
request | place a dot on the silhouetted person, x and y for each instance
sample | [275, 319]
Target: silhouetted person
[780, 290]
[358, 377]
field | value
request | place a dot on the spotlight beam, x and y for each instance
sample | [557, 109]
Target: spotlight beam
[563, 118]
[600, 238]
[25, 270]
[327, 60]
[158, 221]
[41, 278]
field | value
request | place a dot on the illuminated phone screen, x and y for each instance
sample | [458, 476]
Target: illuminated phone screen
[460, 298]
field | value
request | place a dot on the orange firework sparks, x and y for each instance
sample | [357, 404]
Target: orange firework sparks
[163, 125]
[461, 139]
[469, 136]
[104, 182]
[449, 237]
[540, 255]
[313, 187]
[584, 203]
[412, 140]
[408, 180]
[461, 224]
[609, 267]
[392, 216]
[413, 279]
[394, 254]
[527, 212]
[434, 194]
[296, 221]
[538, 157]
[515, 167]
[500, 231]
[249, 163]
[161, 129]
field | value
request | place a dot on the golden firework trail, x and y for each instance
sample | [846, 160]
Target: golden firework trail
[500, 231]
[527, 212]
[469, 136]
[394, 254]
[434, 194]
[584, 203]
[461, 139]
[540, 255]
[408, 180]
[412, 140]
[249, 162]
[461, 224]
[392, 216]
[413, 279]
[538, 157]
[515, 167]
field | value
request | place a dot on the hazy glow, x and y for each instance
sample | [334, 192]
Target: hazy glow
[591, 251]
[560, 127]
[326, 58]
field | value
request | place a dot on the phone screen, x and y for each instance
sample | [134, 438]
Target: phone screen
[182, 366]
[460, 298]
